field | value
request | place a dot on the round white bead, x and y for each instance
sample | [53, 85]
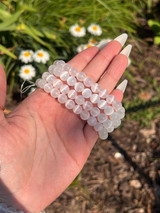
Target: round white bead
[94, 98]
[110, 99]
[114, 116]
[51, 68]
[55, 92]
[37, 82]
[86, 93]
[64, 89]
[95, 112]
[71, 81]
[67, 67]
[103, 93]
[69, 104]
[95, 88]
[72, 94]
[57, 83]
[64, 76]
[121, 116]
[116, 123]
[50, 78]
[84, 115]
[102, 117]
[98, 127]
[88, 82]
[87, 106]
[91, 121]
[79, 100]
[62, 98]
[117, 105]
[77, 109]
[47, 88]
[107, 124]
[110, 129]
[80, 76]
[121, 110]
[109, 110]
[44, 75]
[103, 134]
[79, 87]
[73, 71]
[55, 62]
[57, 71]
[60, 63]
[41, 83]
[102, 104]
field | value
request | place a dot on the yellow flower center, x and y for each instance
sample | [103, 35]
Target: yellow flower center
[78, 29]
[93, 41]
[89, 45]
[95, 28]
[26, 71]
[27, 54]
[40, 54]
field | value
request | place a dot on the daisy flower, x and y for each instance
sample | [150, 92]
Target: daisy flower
[27, 72]
[41, 56]
[77, 31]
[94, 29]
[26, 56]
[103, 42]
[84, 46]
[92, 41]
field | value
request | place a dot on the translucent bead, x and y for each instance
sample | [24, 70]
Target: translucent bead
[98, 127]
[95, 112]
[71, 81]
[44, 75]
[86, 93]
[114, 116]
[50, 78]
[103, 93]
[57, 71]
[109, 110]
[51, 68]
[91, 121]
[72, 94]
[103, 134]
[37, 82]
[64, 76]
[73, 71]
[47, 88]
[87, 106]
[62, 98]
[57, 83]
[121, 110]
[55, 93]
[77, 109]
[88, 82]
[55, 62]
[95, 88]
[116, 123]
[79, 100]
[110, 99]
[64, 89]
[110, 129]
[117, 105]
[67, 67]
[102, 104]
[79, 87]
[94, 98]
[41, 83]
[80, 76]
[102, 117]
[60, 63]
[84, 115]
[69, 104]
[107, 124]
[121, 116]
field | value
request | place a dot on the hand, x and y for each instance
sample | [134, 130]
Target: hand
[44, 146]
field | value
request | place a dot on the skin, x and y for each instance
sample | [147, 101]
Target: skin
[43, 145]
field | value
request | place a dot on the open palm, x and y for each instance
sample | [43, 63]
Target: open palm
[43, 146]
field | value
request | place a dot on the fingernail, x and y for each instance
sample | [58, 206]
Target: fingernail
[127, 50]
[122, 38]
[122, 86]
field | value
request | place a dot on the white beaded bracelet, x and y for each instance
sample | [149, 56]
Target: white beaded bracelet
[80, 94]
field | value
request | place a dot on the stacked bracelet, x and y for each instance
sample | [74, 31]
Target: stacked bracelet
[84, 97]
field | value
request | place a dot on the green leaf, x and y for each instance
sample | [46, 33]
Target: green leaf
[4, 14]
[157, 39]
[7, 52]
[153, 22]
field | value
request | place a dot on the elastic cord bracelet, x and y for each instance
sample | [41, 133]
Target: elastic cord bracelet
[85, 98]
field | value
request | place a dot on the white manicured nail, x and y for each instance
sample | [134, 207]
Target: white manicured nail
[122, 38]
[122, 86]
[127, 50]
